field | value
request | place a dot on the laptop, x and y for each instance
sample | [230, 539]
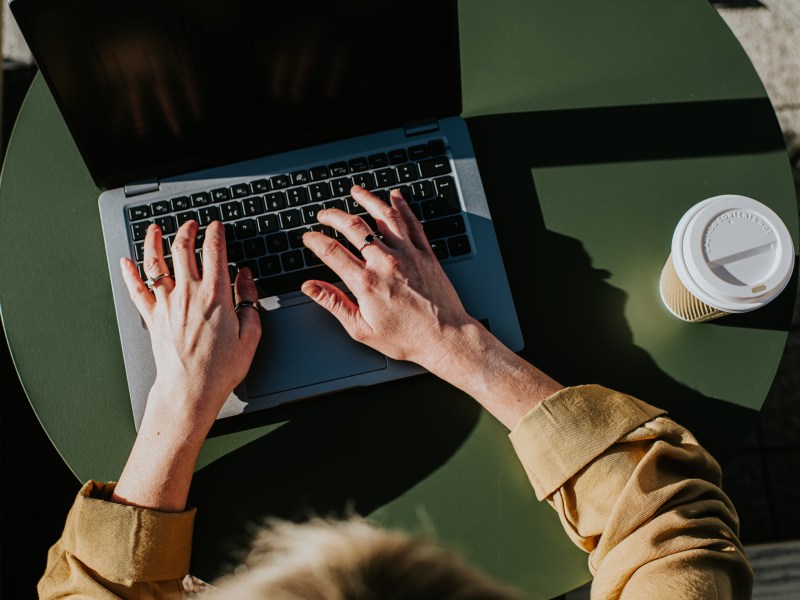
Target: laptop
[259, 114]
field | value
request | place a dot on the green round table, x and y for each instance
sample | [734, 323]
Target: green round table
[595, 125]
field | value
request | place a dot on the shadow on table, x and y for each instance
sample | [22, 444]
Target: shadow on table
[353, 452]
[579, 334]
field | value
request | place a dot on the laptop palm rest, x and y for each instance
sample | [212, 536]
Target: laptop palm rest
[304, 345]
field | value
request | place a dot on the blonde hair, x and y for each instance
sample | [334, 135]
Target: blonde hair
[353, 560]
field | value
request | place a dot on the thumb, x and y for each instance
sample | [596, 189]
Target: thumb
[335, 301]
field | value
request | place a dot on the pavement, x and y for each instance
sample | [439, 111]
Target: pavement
[760, 478]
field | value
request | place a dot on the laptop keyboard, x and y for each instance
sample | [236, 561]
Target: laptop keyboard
[265, 219]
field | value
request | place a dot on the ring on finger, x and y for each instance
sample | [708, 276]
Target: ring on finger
[369, 239]
[247, 304]
[150, 282]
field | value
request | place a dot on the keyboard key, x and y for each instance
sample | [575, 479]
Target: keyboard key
[436, 147]
[186, 216]
[422, 190]
[201, 199]
[300, 177]
[353, 207]
[279, 182]
[289, 219]
[269, 265]
[296, 237]
[358, 164]
[308, 213]
[259, 186]
[433, 209]
[168, 260]
[339, 204]
[245, 229]
[275, 201]
[207, 214]
[255, 247]
[383, 195]
[253, 206]
[159, 208]
[181, 203]
[439, 248]
[268, 224]
[318, 173]
[338, 169]
[167, 224]
[201, 236]
[277, 242]
[365, 180]
[166, 245]
[250, 264]
[138, 251]
[459, 245]
[232, 210]
[141, 272]
[136, 213]
[311, 258]
[370, 222]
[232, 272]
[297, 196]
[291, 282]
[220, 195]
[240, 190]
[235, 252]
[418, 152]
[405, 192]
[434, 166]
[385, 177]
[319, 192]
[376, 161]
[416, 210]
[445, 227]
[446, 192]
[407, 172]
[341, 186]
[230, 232]
[292, 260]
[397, 157]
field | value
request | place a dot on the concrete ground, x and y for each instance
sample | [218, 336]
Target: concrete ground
[761, 478]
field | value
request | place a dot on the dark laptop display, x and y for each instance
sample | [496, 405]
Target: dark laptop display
[152, 88]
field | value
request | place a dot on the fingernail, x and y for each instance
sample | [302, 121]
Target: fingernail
[311, 290]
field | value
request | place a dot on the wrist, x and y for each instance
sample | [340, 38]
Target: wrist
[177, 413]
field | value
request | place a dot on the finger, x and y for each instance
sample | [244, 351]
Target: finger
[336, 302]
[138, 291]
[244, 288]
[385, 215]
[353, 227]
[414, 228]
[184, 261]
[334, 255]
[215, 256]
[154, 263]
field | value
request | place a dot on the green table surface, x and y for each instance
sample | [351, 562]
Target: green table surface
[596, 125]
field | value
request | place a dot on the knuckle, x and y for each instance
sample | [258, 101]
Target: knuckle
[391, 214]
[214, 245]
[354, 223]
[180, 244]
[330, 248]
[392, 262]
[151, 265]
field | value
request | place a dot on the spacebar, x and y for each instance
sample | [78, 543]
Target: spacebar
[291, 282]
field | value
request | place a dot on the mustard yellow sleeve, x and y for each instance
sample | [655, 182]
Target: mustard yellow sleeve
[111, 550]
[635, 490]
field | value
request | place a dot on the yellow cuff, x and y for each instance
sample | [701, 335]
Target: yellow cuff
[124, 543]
[569, 429]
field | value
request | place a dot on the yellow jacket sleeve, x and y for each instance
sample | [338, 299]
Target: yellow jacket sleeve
[111, 550]
[635, 490]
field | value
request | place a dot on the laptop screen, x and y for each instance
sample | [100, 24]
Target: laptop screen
[151, 88]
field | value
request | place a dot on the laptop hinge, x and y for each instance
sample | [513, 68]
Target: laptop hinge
[142, 187]
[419, 127]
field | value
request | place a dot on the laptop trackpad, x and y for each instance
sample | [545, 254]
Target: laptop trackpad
[303, 345]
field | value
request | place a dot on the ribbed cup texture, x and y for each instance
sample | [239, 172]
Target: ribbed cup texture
[681, 301]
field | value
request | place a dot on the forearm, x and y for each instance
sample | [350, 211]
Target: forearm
[159, 470]
[503, 383]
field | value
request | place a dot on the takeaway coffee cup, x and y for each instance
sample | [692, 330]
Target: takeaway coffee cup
[730, 254]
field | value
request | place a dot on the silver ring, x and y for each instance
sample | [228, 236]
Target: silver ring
[247, 304]
[368, 239]
[150, 282]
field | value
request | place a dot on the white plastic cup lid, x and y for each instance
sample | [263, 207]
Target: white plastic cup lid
[733, 253]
